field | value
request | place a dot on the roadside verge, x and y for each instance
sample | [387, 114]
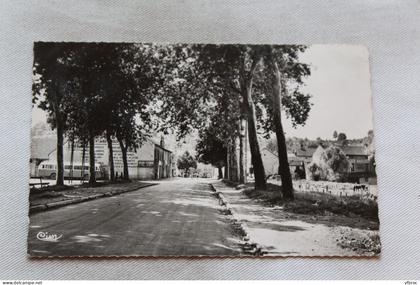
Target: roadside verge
[48, 200]
[269, 230]
[249, 246]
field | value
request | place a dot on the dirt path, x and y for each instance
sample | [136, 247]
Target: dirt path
[287, 234]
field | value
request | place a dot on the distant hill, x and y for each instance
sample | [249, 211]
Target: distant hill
[295, 144]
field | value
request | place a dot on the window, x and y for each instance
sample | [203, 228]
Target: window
[79, 167]
[67, 167]
[145, 163]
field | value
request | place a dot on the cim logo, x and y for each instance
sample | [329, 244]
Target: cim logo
[45, 236]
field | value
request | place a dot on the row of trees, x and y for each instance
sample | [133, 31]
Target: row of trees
[95, 89]
[228, 92]
[258, 82]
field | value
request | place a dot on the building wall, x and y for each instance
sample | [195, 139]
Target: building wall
[359, 165]
[145, 173]
[141, 162]
[145, 161]
[163, 163]
[270, 161]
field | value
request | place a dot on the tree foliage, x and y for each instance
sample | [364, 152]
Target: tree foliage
[341, 137]
[211, 149]
[52, 66]
[295, 103]
[90, 88]
[186, 161]
[329, 164]
[124, 90]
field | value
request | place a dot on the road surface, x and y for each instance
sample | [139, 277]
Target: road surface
[178, 217]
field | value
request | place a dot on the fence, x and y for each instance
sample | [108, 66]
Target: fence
[363, 191]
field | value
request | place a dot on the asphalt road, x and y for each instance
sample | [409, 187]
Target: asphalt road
[178, 217]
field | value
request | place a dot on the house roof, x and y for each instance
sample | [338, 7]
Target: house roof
[354, 150]
[308, 152]
[42, 146]
[269, 151]
[157, 143]
[296, 161]
[165, 149]
[275, 153]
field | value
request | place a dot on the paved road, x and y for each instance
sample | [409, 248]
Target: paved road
[178, 217]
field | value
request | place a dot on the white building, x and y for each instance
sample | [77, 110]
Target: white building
[150, 161]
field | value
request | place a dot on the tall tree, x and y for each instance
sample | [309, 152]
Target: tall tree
[284, 170]
[252, 58]
[108, 135]
[92, 63]
[52, 67]
[211, 150]
[341, 137]
[282, 68]
[186, 161]
[140, 79]
[243, 134]
[234, 67]
[112, 80]
[90, 89]
[194, 91]
[224, 124]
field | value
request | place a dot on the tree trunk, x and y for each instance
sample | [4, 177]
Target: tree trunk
[124, 157]
[225, 176]
[234, 160]
[92, 178]
[110, 156]
[231, 154]
[284, 170]
[83, 160]
[257, 163]
[60, 152]
[59, 124]
[227, 167]
[242, 147]
[220, 173]
[71, 160]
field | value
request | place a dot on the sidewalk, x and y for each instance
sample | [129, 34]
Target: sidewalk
[48, 199]
[279, 233]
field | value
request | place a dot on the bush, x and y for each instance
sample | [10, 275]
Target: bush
[328, 164]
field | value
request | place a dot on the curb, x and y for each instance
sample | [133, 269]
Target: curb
[54, 205]
[249, 246]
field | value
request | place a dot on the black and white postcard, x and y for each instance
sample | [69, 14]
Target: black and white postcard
[217, 150]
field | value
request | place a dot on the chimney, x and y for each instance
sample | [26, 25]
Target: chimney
[162, 142]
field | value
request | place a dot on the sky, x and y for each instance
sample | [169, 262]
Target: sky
[340, 87]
